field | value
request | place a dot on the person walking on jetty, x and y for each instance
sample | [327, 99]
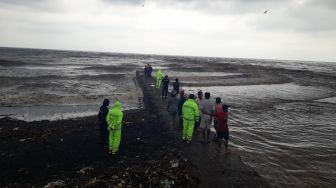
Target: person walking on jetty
[172, 109]
[181, 101]
[159, 76]
[190, 115]
[222, 127]
[114, 119]
[207, 109]
[103, 111]
[165, 84]
[176, 85]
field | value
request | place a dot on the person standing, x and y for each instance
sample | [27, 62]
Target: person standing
[176, 85]
[103, 110]
[222, 127]
[114, 119]
[207, 109]
[165, 84]
[198, 102]
[218, 109]
[190, 114]
[172, 109]
[146, 71]
[181, 101]
[158, 79]
[150, 69]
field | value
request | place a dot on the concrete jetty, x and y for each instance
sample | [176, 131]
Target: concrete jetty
[212, 166]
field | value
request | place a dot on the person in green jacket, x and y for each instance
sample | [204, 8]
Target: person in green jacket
[114, 120]
[190, 115]
[159, 77]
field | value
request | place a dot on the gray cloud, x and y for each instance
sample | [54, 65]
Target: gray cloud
[127, 2]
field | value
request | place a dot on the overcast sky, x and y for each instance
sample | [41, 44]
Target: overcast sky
[291, 29]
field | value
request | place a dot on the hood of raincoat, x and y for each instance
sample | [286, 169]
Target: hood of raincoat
[117, 105]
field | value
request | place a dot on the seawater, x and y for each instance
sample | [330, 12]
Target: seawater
[282, 113]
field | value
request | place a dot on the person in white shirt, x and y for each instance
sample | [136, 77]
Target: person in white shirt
[207, 109]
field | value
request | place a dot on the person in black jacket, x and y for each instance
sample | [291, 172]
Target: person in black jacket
[176, 85]
[103, 111]
[180, 103]
[165, 84]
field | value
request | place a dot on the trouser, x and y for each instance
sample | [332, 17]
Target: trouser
[158, 83]
[180, 123]
[164, 91]
[103, 133]
[114, 140]
[188, 128]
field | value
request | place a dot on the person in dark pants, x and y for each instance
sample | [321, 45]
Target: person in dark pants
[146, 71]
[150, 70]
[176, 85]
[165, 84]
[180, 103]
[103, 111]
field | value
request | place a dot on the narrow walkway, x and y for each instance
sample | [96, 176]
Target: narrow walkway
[212, 166]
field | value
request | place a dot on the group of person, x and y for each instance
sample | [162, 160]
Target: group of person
[194, 114]
[110, 121]
[148, 71]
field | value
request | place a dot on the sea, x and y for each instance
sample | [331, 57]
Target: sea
[282, 114]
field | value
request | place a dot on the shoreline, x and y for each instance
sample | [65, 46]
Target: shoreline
[67, 152]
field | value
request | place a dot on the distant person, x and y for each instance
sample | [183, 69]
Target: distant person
[176, 85]
[103, 111]
[172, 109]
[207, 109]
[146, 71]
[150, 70]
[198, 101]
[181, 101]
[222, 127]
[165, 85]
[190, 115]
[158, 79]
[114, 119]
[218, 108]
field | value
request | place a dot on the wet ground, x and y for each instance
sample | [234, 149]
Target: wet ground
[69, 153]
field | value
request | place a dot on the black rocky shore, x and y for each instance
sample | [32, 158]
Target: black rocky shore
[67, 153]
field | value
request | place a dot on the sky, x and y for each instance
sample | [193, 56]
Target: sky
[290, 30]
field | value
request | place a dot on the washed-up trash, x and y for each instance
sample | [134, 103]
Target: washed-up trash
[55, 184]
[174, 163]
[16, 128]
[84, 170]
[61, 139]
[138, 138]
[24, 139]
[137, 156]
[142, 119]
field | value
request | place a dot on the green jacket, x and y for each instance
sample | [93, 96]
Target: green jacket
[114, 117]
[159, 74]
[190, 110]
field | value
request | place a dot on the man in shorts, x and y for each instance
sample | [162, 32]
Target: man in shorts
[206, 108]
